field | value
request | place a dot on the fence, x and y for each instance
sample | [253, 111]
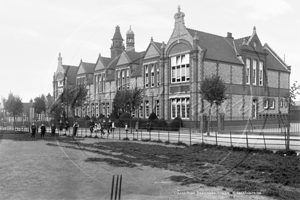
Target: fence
[266, 136]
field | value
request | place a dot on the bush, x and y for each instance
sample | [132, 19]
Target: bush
[176, 124]
[152, 117]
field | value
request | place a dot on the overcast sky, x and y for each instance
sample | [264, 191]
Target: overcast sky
[33, 32]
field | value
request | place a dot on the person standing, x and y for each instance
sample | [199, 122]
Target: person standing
[43, 131]
[61, 126]
[53, 127]
[75, 128]
[92, 124]
[33, 130]
[109, 126]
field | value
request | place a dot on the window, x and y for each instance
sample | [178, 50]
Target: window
[97, 110]
[266, 104]
[103, 108]
[254, 72]
[146, 76]
[261, 73]
[141, 111]
[180, 107]
[157, 108]
[103, 82]
[119, 80]
[272, 104]
[100, 83]
[157, 75]
[180, 68]
[128, 79]
[152, 75]
[107, 109]
[247, 71]
[281, 103]
[146, 108]
[123, 80]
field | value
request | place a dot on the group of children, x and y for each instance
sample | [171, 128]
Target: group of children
[101, 126]
[94, 127]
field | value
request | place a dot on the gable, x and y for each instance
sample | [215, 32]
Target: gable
[152, 52]
[99, 65]
[123, 59]
[254, 43]
[81, 69]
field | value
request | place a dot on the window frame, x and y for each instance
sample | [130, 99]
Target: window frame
[248, 67]
[261, 73]
[254, 71]
[180, 66]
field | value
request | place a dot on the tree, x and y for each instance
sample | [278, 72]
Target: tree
[73, 96]
[13, 105]
[293, 92]
[127, 101]
[213, 90]
[39, 104]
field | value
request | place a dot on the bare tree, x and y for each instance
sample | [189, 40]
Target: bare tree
[213, 90]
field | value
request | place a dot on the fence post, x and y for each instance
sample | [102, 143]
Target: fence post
[179, 135]
[230, 139]
[158, 135]
[119, 133]
[216, 132]
[168, 133]
[202, 136]
[247, 139]
[264, 140]
[190, 135]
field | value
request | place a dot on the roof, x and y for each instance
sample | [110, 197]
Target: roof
[106, 60]
[239, 42]
[117, 35]
[135, 56]
[217, 47]
[71, 72]
[158, 44]
[274, 61]
[89, 67]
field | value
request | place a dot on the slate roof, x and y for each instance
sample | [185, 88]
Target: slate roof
[158, 45]
[274, 61]
[106, 60]
[117, 34]
[218, 47]
[89, 67]
[135, 57]
[71, 72]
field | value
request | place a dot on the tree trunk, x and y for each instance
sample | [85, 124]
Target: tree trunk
[73, 115]
[209, 121]
[14, 122]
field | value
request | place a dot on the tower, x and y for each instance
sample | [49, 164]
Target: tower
[130, 40]
[117, 46]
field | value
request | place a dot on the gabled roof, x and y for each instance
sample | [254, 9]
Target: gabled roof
[158, 44]
[71, 72]
[274, 61]
[217, 47]
[102, 63]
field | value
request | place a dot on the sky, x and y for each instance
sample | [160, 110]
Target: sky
[34, 32]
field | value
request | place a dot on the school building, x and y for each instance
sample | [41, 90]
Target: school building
[171, 73]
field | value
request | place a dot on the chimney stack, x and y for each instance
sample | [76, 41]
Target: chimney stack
[229, 35]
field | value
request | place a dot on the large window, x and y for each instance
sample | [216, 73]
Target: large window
[254, 72]
[147, 109]
[157, 75]
[180, 107]
[180, 68]
[119, 80]
[97, 110]
[141, 111]
[107, 109]
[123, 80]
[127, 83]
[261, 73]
[146, 76]
[103, 82]
[152, 75]
[247, 71]
[157, 108]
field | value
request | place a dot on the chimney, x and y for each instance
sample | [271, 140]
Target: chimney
[229, 35]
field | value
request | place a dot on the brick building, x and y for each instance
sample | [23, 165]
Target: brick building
[171, 74]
